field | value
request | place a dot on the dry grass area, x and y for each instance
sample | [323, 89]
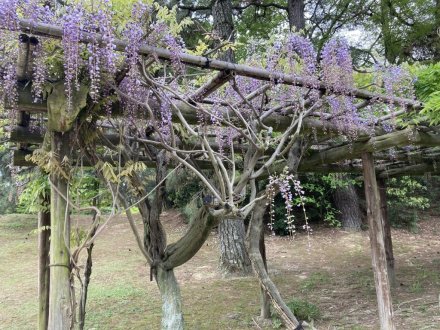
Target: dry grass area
[331, 269]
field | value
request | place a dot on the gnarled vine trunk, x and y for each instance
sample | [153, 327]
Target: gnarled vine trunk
[265, 299]
[254, 234]
[172, 316]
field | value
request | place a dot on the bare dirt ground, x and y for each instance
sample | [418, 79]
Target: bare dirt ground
[330, 268]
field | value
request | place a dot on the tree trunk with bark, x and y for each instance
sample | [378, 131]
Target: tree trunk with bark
[223, 26]
[347, 202]
[295, 13]
[234, 259]
[391, 54]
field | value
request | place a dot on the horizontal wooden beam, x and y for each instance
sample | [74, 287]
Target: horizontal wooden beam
[19, 159]
[21, 134]
[276, 121]
[416, 169]
[53, 31]
[27, 102]
[356, 149]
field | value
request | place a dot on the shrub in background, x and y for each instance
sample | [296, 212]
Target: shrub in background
[406, 197]
[302, 309]
[183, 192]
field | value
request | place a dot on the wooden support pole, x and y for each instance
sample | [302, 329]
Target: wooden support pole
[43, 268]
[387, 231]
[60, 308]
[377, 243]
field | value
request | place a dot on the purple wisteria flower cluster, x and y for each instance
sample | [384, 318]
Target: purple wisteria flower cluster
[39, 71]
[72, 26]
[97, 64]
[307, 55]
[8, 14]
[337, 66]
[291, 192]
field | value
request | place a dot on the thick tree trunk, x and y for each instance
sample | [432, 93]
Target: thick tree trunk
[375, 223]
[347, 202]
[60, 305]
[387, 231]
[172, 316]
[388, 39]
[43, 269]
[234, 259]
[224, 26]
[295, 12]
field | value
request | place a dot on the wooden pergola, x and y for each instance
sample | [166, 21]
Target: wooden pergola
[416, 150]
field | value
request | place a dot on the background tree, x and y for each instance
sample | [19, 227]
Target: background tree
[234, 259]
[7, 187]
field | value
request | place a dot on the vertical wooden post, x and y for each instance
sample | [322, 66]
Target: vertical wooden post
[387, 231]
[60, 309]
[377, 243]
[43, 268]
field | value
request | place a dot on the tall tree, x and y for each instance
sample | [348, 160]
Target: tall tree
[234, 259]
[295, 11]
[7, 190]
[347, 202]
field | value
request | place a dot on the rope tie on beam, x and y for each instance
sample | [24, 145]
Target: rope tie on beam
[300, 326]
[207, 63]
[58, 265]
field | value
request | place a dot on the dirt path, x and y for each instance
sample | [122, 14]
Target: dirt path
[331, 269]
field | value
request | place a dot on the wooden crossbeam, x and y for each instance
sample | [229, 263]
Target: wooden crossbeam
[388, 171]
[53, 31]
[374, 144]
[211, 86]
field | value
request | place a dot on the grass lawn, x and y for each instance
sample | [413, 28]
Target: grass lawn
[331, 269]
